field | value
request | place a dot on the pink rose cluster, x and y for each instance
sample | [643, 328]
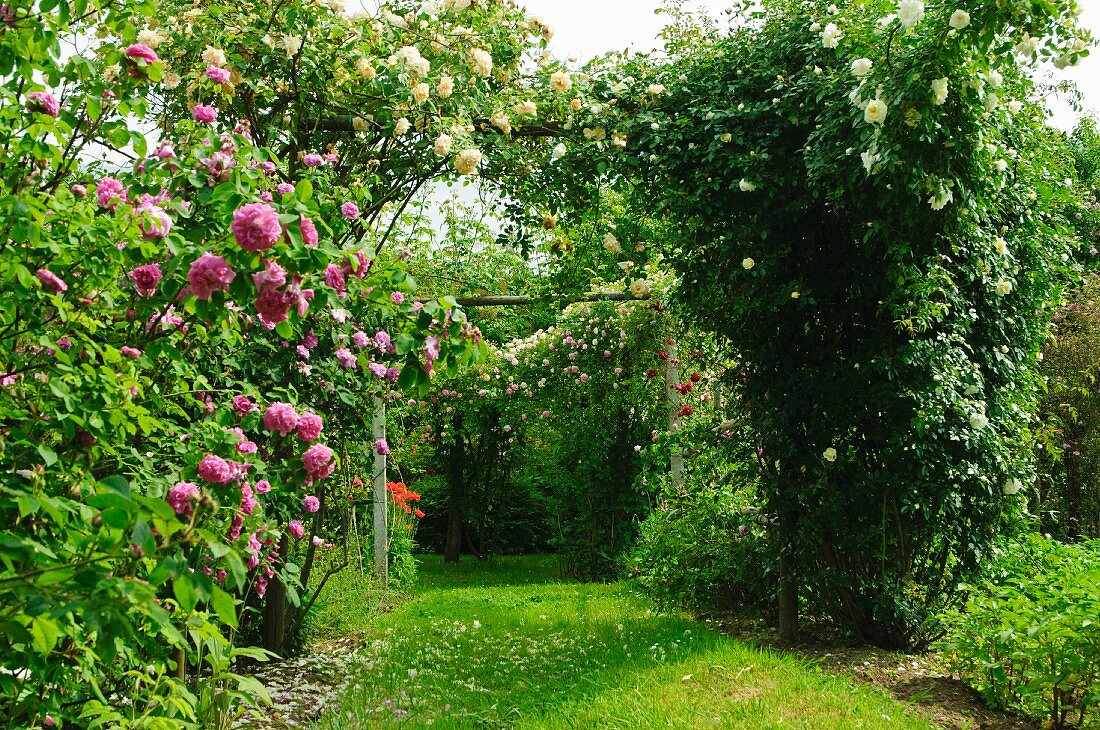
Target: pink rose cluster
[256, 226]
[217, 470]
[318, 462]
[145, 279]
[43, 103]
[281, 418]
[204, 113]
[217, 75]
[182, 497]
[208, 274]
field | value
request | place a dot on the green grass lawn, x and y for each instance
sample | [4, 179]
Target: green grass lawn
[507, 644]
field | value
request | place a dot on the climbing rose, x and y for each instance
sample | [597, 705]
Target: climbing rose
[381, 447]
[43, 102]
[280, 417]
[311, 504]
[141, 52]
[309, 232]
[217, 75]
[208, 274]
[959, 19]
[334, 277]
[107, 190]
[318, 541]
[274, 305]
[242, 406]
[203, 113]
[317, 460]
[350, 210]
[263, 486]
[146, 278]
[272, 276]
[296, 529]
[347, 360]
[875, 113]
[131, 352]
[397, 297]
[180, 497]
[312, 159]
[215, 469]
[910, 12]
[256, 226]
[309, 426]
[51, 281]
[467, 161]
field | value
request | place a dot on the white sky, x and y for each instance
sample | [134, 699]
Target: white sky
[588, 28]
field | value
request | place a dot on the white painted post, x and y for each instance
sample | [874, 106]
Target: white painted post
[672, 377]
[381, 499]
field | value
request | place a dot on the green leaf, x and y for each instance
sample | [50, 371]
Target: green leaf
[303, 190]
[184, 591]
[44, 632]
[49, 456]
[225, 607]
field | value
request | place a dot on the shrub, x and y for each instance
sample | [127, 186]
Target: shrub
[1029, 637]
[1069, 487]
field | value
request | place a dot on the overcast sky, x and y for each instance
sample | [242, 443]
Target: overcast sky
[587, 28]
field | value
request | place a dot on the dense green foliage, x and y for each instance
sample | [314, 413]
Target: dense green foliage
[1028, 637]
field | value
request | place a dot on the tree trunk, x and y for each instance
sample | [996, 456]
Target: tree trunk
[788, 581]
[274, 628]
[456, 508]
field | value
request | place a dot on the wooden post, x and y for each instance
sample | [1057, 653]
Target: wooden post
[381, 500]
[672, 378]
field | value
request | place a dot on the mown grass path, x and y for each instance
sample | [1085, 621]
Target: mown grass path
[506, 644]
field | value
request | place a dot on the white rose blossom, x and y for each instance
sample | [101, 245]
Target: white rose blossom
[482, 61]
[467, 161]
[559, 152]
[445, 87]
[876, 111]
[830, 37]
[861, 67]
[401, 127]
[959, 19]
[910, 12]
[442, 146]
[746, 186]
[747, 263]
[939, 91]
[561, 82]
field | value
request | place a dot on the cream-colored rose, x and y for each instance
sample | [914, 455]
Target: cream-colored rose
[501, 121]
[365, 69]
[401, 127]
[421, 92]
[171, 80]
[747, 263]
[655, 89]
[746, 186]
[939, 91]
[526, 109]
[861, 67]
[292, 44]
[830, 37]
[214, 57]
[559, 152]
[1000, 245]
[561, 82]
[639, 289]
[611, 244]
[446, 87]
[150, 38]
[359, 124]
[875, 113]
[481, 61]
[1004, 288]
[596, 134]
[959, 19]
[576, 105]
[442, 146]
[618, 139]
[467, 161]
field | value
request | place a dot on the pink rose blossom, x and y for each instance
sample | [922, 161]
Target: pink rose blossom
[43, 102]
[272, 276]
[312, 159]
[51, 281]
[256, 226]
[181, 496]
[242, 406]
[350, 210]
[280, 417]
[318, 541]
[79, 190]
[217, 75]
[393, 374]
[247, 447]
[203, 113]
[131, 352]
[274, 305]
[397, 297]
[215, 469]
[310, 426]
[431, 352]
[141, 52]
[346, 358]
[381, 447]
[146, 279]
[309, 232]
[377, 369]
[296, 529]
[107, 190]
[317, 461]
[334, 277]
[311, 504]
[263, 486]
[360, 339]
[284, 188]
[208, 274]
[383, 341]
